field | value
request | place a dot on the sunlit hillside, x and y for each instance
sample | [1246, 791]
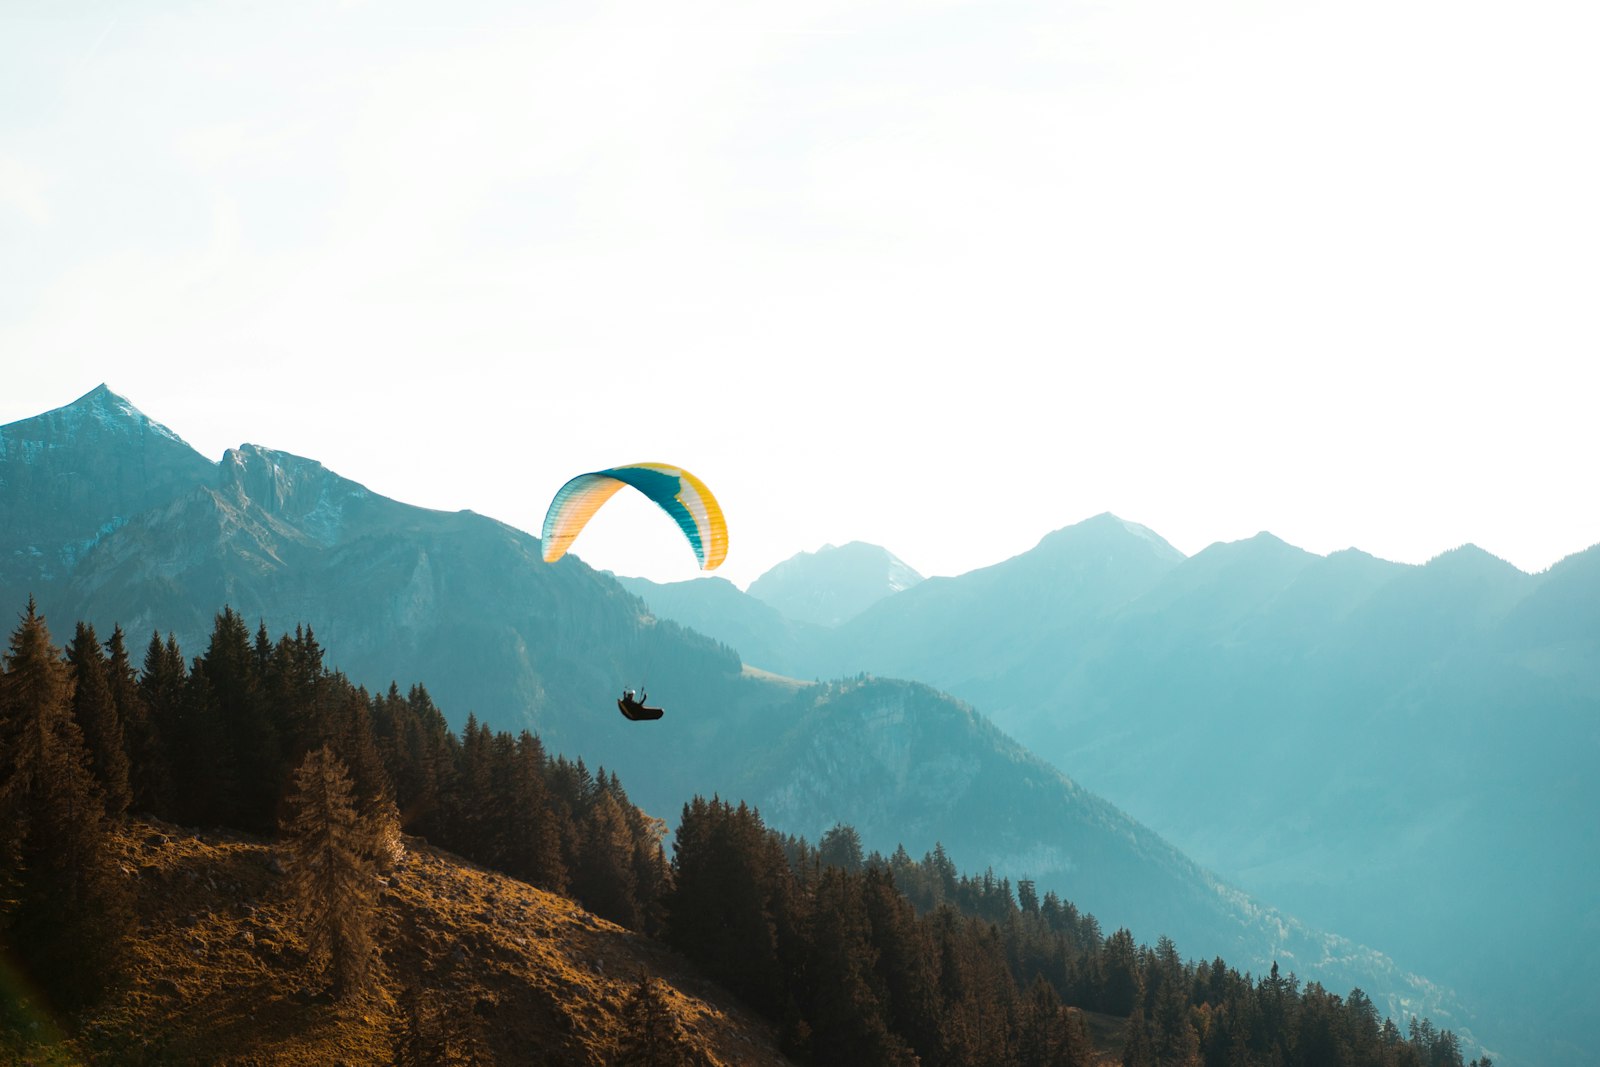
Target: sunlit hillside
[476, 968]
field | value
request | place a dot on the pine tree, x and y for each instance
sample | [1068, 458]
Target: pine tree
[329, 853]
[604, 880]
[1361, 1026]
[1278, 1000]
[292, 682]
[841, 847]
[250, 748]
[904, 962]
[1027, 896]
[433, 1030]
[1138, 1046]
[535, 837]
[95, 711]
[181, 710]
[976, 990]
[61, 906]
[149, 777]
[473, 822]
[1049, 1035]
[1176, 1043]
[654, 1037]
[729, 905]
[849, 1017]
[1121, 986]
[350, 732]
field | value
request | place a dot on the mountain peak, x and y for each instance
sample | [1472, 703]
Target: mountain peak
[101, 394]
[1262, 545]
[834, 583]
[73, 474]
[1106, 529]
[98, 413]
[1470, 559]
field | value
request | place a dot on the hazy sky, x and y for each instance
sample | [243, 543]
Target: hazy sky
[940, 276]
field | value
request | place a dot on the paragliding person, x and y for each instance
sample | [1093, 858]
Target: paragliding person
[677, 492]
[635, 710]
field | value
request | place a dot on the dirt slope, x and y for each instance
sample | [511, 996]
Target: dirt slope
[477, 967]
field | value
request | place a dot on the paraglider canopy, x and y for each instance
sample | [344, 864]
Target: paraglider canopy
[677, 492]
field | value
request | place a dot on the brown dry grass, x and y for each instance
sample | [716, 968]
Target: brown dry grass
[499, 972]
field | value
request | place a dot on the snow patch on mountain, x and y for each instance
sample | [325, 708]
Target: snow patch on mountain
[73, 551]
[112, 413]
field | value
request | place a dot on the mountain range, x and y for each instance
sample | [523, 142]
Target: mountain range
[107, 516]
[1402, 753]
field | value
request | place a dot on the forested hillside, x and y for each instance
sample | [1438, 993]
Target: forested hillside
[851, 958]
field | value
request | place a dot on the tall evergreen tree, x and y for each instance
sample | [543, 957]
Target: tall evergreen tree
[604, 880]
[1121, 985]
[725, 907]
[329, 858]
[149, 778]
[1049, 1036]
[94, 708]
[1176, 1043]
[251, 747]
[1361, 1027]
[904, 962]
[61, 906]
[349, 730]
[841, 847]
[535, 836]
[1139, 1040]
[180, 707]
[474, 811]
[848, 1016]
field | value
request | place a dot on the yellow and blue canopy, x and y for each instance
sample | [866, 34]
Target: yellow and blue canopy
[678, 493]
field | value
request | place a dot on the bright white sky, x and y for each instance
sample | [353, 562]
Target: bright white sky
[939, 276]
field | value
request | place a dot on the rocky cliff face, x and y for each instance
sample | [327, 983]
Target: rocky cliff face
[300, 493]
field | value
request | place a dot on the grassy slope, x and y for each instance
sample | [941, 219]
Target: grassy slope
[507, 973]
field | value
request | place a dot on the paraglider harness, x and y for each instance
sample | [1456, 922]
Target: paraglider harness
[634, 709]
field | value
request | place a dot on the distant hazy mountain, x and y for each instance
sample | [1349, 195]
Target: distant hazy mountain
[1402, 753]
[110, 518]
[761, 634]
[834, 583]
